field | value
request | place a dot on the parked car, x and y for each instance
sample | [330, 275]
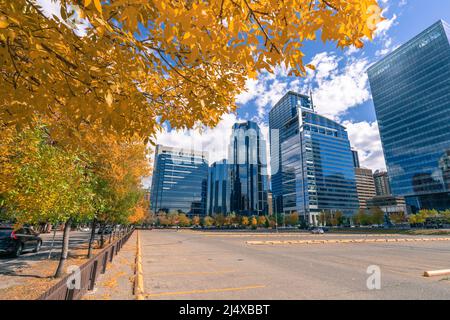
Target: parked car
[317, 231]
[16, 242]
[108, 230]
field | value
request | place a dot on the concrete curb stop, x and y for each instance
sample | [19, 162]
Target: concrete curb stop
[434, 273]
[139, 278]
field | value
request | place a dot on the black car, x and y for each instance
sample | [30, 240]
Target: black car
[105, 230]
[17, 241]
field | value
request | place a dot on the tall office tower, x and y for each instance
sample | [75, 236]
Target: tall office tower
[312, 162]
[382, 186]
[355, 159]
[411, 93]
[219, 188]
[180, 179]
[365, 186]
[248, 170]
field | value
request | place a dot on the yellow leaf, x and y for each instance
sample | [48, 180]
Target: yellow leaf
[312, 67]
[98, 5]
[3, 22]
[87, 3]
[109, 98]
[359, 44]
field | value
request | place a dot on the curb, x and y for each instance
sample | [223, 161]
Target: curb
[275, 242]
[436, 273]
[139, 278]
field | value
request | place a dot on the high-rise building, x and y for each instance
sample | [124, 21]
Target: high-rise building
[248, 170]
[219, 188]
[179, 181]
[365, 186]
[312, 163]
[411, 94]
[382, 186]
[355, 159]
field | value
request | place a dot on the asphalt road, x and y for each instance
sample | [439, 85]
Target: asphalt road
[27, 259]
[197, 265]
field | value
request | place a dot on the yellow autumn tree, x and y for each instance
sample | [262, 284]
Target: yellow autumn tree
[43, 182]
[128, 66]
[138, 215]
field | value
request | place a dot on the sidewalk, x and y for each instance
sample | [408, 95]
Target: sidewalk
[118, 281]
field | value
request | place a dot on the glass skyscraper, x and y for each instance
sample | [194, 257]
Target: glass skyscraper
[179, 181]
[248, 170]
[218, 188]
[311, 161]
[411, 94]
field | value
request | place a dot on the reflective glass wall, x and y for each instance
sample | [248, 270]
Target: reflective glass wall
[411, 93]
[219, 188]
[248, 170]
[315, 163]
[179, 181]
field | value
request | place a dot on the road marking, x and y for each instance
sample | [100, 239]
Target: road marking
[139, 280]
[191, 273]
[174, 293]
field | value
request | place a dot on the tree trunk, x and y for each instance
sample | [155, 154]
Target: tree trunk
[65, 249]
[102, 238]
[91, 239]
[111, 234]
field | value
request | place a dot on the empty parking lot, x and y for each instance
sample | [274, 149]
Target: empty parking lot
[219, 265]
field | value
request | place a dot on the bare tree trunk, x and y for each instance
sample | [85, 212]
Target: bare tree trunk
[102, 238]
[91, 239]
[111, 234]
[65, 249]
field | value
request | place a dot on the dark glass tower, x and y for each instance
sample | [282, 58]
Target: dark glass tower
[248, 170]
[219, 188]
[179, 181]
[411, 94]
[312, 162]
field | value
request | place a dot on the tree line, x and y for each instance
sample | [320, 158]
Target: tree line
[174, 218]
[45, 181]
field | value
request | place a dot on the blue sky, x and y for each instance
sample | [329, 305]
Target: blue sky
[340, 86]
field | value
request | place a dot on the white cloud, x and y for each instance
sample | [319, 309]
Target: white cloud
[212, 140]
[364, 137]
[52, 9]
[382, 37]
[335, 89]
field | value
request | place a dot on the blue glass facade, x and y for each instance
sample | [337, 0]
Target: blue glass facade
[248, 170]
[219, 188]
[313, 161]
[280, 114]
[179, 181]
[411, 94]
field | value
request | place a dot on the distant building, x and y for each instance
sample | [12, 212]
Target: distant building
[355, 159]
[311, 161]
[269, 203]
[364, 186]
[179, 181]
[219, 188]
[382, 186]
[389, 204]
[147, 194]
[411, 94]
[248, 170]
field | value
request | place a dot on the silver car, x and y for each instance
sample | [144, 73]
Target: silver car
[317, 231]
